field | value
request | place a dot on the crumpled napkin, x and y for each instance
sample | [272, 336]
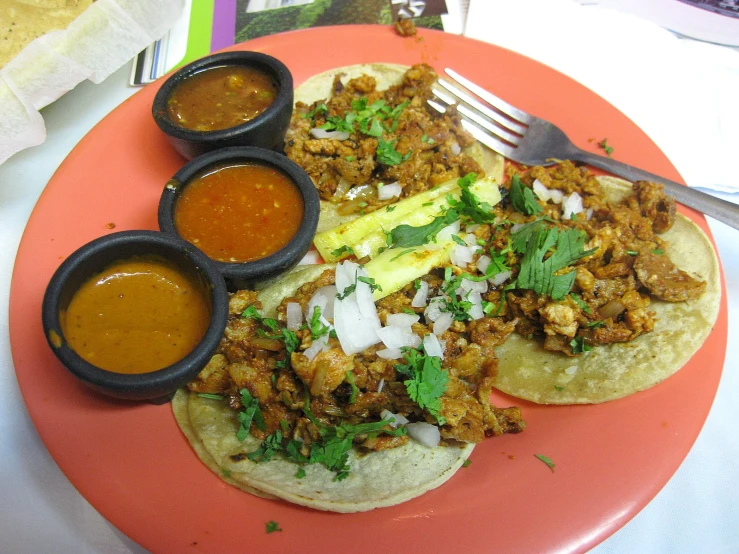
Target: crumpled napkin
[681, 92]
[103, 38]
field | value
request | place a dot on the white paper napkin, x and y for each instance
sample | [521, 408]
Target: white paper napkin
[682, 93]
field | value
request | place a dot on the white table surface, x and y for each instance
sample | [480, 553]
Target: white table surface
[42, 512]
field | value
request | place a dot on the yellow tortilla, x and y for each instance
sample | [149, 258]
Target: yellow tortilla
[613, 371]
[376, 480]
[319, 87]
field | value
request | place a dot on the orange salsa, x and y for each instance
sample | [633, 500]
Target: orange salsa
[137, 316]
[221, 97]
[239, 213]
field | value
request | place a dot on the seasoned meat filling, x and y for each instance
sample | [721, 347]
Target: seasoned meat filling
[390, 136]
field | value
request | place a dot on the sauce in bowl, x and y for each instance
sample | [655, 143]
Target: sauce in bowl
[221, 97]
[137, 316]
[239, 212]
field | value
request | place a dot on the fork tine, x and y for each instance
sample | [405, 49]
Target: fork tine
[505, 122]
[484, 137]
[479, 119]
[494, 101]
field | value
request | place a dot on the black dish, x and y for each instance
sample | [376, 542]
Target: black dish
[243, 275]
[267, 130]
[96, 256]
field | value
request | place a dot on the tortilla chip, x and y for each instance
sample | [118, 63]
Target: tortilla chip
[613, 371]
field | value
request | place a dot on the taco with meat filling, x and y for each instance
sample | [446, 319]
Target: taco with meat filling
[367, 137]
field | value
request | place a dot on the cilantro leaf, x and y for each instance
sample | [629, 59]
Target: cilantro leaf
[522, 198]
[407, 236]
[546, 460]
[387, 155]
[427, 382]
[579, 345]
[272, 526]
[348, 250]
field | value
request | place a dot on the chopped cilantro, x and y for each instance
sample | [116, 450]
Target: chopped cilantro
[353, 385]
[632, 252]
[560, 389]
[371, 282]
[390, 208]
[348, 250]
[546, 460]
[522, 198]
[579, 345]
[405, 236]
[580, 303]
[210, 395]
[658, 251]
[250, 414]
[300, 473]
[272, 526]
[387, 155]
[466, 463]
[595, 324]
[458, 240]
[317, 329]
[321, 108]
[606, 148]
[427, 380]
[279, 333]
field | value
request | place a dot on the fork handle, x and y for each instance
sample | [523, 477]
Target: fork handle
[717, 208]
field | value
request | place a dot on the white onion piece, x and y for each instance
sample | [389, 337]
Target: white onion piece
[500, 278]
[542, 192]
[398, 419]
[424, 433]
[402, 320]
[483, 262]
[447, 232]
[475, 311]
[475, 286]
[432, 346]
[324, 134]
[422, 295]
[355, 317]
[294, 315]
[398, 337]
[381, 384]
[589, 214]
[342, 188]
[470, 239]
[472, 228]
[386, 192]
[442, 323]
[317, 301]
[455, 148]
[327, 307]
[433, 310]
[389, 354]
[572, 204]
[461, 255]
[556, 196]
[319, 345]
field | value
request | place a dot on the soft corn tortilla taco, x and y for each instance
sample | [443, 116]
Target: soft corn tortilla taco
[376, 480]
[320, 87]
[617, 370]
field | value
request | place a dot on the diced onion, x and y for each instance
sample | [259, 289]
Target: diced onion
[475, 311]
[442, 323]
[424, 433]
[398, 419]
[402, 320]
[422, 295]
[572, 204]
[571, 370]
[323, 297]
[355, 317]
[398, 337]
[389, 354]
[482, 263]
[542, 192]
[294, 315]
[447, 232]
[455, 148]
[381, 384]
[500, 278]
[319, 345]
[386, 192]
[472, 228]
[324, 134]
[589, 214]
[461, 255]
[475, 286]
[556, 196]
[470, 239]
[432, 346]
[342, 188]
[433, 310]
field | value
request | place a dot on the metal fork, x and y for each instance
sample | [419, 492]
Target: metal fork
[530, 140]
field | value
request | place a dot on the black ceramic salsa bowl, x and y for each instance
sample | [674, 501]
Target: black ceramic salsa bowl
[266, 130]
[241, 275]
[94, 257]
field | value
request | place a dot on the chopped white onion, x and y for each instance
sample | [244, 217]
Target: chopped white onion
[500, 278]
[556, 196]
[389, 354]
[433, 310]
[422, 295]
[355, 317]
[402, 320]
[455, 148]
[472, 228]
[442, 323]
[589, 214]
[324, 134]
[398, 337]
[475, 286]
[381, 384]
[398, 419]
[447, 232]
[319, 345]
[424, 433]
[386, 192]
[323, 297]
[483, 262]
[542, 192]
[461, 255]
[571, 370]
[475, 311]
[572, 204]
[294, 315]
[470, 239]
[432, 346]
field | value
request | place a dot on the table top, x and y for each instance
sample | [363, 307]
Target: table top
[696, 510]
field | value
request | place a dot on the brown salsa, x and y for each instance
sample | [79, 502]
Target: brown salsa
[137, 316]
[238, 213]
[221, 97]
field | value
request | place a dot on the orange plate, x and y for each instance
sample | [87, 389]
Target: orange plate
[133, 464]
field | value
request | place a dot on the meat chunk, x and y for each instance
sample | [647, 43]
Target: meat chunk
[658, 274]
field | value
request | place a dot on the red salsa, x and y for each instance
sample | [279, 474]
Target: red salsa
[238, 213]
[221, 97]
